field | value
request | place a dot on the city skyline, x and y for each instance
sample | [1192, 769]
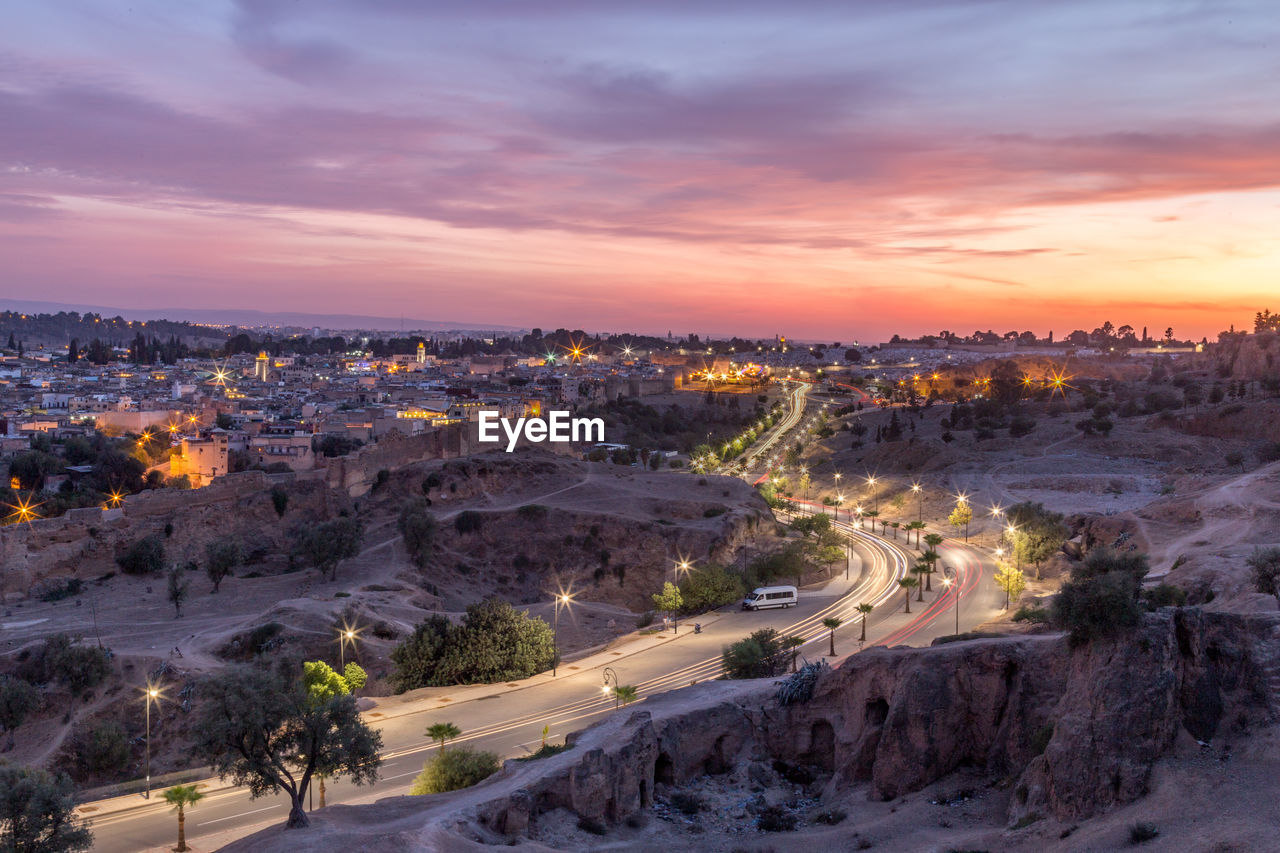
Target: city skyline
[822, 172]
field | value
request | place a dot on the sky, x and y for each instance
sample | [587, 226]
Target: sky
[819, 170]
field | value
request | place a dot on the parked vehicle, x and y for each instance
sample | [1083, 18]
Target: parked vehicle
[770, 596]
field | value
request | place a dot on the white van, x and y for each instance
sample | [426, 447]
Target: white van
[770, 596]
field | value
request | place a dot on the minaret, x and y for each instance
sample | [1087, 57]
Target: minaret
[260, 366]
[422, 353]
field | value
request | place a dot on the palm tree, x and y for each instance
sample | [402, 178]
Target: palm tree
[443, 732]
[917, 526]
[895, 525]
[833, 623]
[871, 514]
[793, 645]
[864, 609]
[626, 693]
[907, 585]
[920, 570]
[933, 540]
[181, 796]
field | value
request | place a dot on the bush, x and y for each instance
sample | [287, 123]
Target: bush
[830, 817]
[468, 521]
[1033, 613]
[1164, 595]
[495, 642]
[709, 587]
[532, 512]
[1102, 597]
[279, 500]
[592, 826]
[454, 768]
[760, 655]
[144, 557]
[775, 819]
[687, 804]
[418, 527]
[101, 747]
[1140, 833]
[714, 511]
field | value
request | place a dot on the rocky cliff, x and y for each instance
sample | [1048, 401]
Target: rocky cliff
[1073, 732]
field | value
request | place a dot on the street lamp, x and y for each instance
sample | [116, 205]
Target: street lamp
[151, 694]
[915, 487]
[610, 675]
[871, 483]
[839, 503]
[347, 634]
[948, 582]
[562, 600]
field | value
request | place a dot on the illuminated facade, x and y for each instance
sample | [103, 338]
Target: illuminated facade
[200, 459]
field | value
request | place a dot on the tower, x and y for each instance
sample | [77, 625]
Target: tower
[422, 353]
[260, 366]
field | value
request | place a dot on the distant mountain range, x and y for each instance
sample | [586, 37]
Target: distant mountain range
[245, 317]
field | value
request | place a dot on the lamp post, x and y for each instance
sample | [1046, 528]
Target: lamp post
[948, 582]
[839, 503]
[610, 675]
[152, 695]
[346, 636]
[561, 600]
[915, 487]
[871, 483]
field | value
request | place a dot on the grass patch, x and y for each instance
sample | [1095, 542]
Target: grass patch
[545, 751]
[968, 635]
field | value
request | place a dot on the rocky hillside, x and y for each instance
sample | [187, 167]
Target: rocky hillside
[1047, 737]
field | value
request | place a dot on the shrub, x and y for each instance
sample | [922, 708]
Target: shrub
[418, 527]
[830, 817]
[468, 521]
[144, 557]
[1101, 598]
[1164, 595]
[101, 747]
[1033, 613]
[714, 511]
[709, 587]
[760, 655]
[685, 803]
[495, 642]
[592, 826]
[279, 500]
[775, 819]
[1140, 833]
[454, 768]
[532, 512]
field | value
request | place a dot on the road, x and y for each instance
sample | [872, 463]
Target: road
[509, 719]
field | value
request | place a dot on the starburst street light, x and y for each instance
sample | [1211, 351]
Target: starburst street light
[23, 510]
[563, 599]
[347, 634]
[915, 487]
[150, 693]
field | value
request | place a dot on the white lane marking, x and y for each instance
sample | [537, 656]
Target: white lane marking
[234, 816]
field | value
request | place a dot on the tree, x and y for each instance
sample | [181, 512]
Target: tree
[832, 623]
[144, 557]
[37, 813]
[221, 556]
[792, 645]
[325, 545]
[18, 699]
[495, 642]
[279, 500]
[917, 526]
[669, 600]
[1102, 597]
[1037, 533]
[626, 693]
[443, 732]
[1265, 563]
[908, 584]
[454, 770]
[1010, 579]
[263, 729]
[961, 516]
[865, 609]
[178, 588]
[760, 655]
[923, 571]
[708, 587]
[181, 796]
[355, 676]
[418, 527]
[79, 668]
